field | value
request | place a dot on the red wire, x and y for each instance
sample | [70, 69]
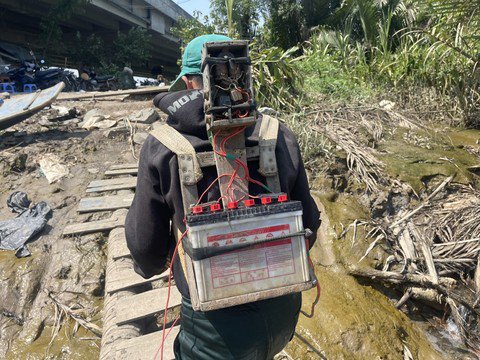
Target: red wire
[239, 114]
[224, 141]
[244, 115]
[173, 325]
[222, 152]
[210, 186]
[160, 349]
[234, 175]
[214, 144]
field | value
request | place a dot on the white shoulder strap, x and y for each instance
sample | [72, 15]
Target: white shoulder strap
[189, 169]
[267, 141]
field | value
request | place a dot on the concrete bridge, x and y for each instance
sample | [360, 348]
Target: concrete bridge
[20, 24]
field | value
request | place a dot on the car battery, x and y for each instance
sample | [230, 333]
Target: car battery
[247, 254]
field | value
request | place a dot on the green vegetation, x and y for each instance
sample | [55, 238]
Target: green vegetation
[127, 48]
[130, 49]
[418, 54]
[62, 10]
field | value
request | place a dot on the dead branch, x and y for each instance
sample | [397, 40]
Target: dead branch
[75, 314]
[443, 287]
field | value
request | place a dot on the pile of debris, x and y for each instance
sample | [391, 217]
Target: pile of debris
[435, 255]
[430, 240]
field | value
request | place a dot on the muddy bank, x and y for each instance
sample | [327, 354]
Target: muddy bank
[351, 320]
[371, 168]
[64, 276]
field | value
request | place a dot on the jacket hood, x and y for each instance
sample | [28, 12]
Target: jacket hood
[185, 111]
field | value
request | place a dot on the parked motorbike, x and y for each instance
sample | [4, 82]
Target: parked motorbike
[43, 78]
[90, 81]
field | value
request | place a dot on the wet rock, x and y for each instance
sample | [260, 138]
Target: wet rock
[17, 319]
[351, 341]
[65, 202]
[117, 133]
[57, 189]
[64, 271]
[19, 163]
[91, 118]
[145, 116]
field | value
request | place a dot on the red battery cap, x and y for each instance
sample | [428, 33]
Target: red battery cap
[266, 200]
[249, 202]
[197, 210]
[232, 205]
[282, 198]
[215, 207]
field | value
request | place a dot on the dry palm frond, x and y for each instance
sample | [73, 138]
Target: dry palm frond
[77, 314]
[374, 127]
[365, 167]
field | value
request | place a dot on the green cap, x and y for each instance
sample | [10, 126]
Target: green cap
[192, 59]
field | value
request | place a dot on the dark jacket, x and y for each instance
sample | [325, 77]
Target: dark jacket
[158, 198]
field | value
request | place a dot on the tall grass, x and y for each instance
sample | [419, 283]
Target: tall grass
[420, 63]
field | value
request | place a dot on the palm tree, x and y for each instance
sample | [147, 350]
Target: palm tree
[231, 25]
[458, 9]
[374, 20]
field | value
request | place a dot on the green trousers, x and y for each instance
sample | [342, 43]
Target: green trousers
[255, 331]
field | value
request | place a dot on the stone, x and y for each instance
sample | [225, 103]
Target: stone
[5, 95]
[52, 168]
[71, 121]
[91, 118]
[106, 124]
[64, 111]
[117, 133]
[19, 163]
[145, 116]
[387, 105]
[140, 137]
[44, 122]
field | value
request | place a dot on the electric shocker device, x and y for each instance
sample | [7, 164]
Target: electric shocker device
[242, 248]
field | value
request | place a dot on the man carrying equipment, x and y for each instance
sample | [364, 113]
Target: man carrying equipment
[256, 330]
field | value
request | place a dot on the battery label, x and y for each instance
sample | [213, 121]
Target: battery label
[263, 261]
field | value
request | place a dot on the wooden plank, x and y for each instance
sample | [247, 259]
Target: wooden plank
[126, 279]
[123, 166]
[127, 183]
[94, 95]
[114, 181]
[146, 346]
[105, 203]
[118, 250]
[94, 226]
[21, 107]
[140, 306]
[121, 172]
